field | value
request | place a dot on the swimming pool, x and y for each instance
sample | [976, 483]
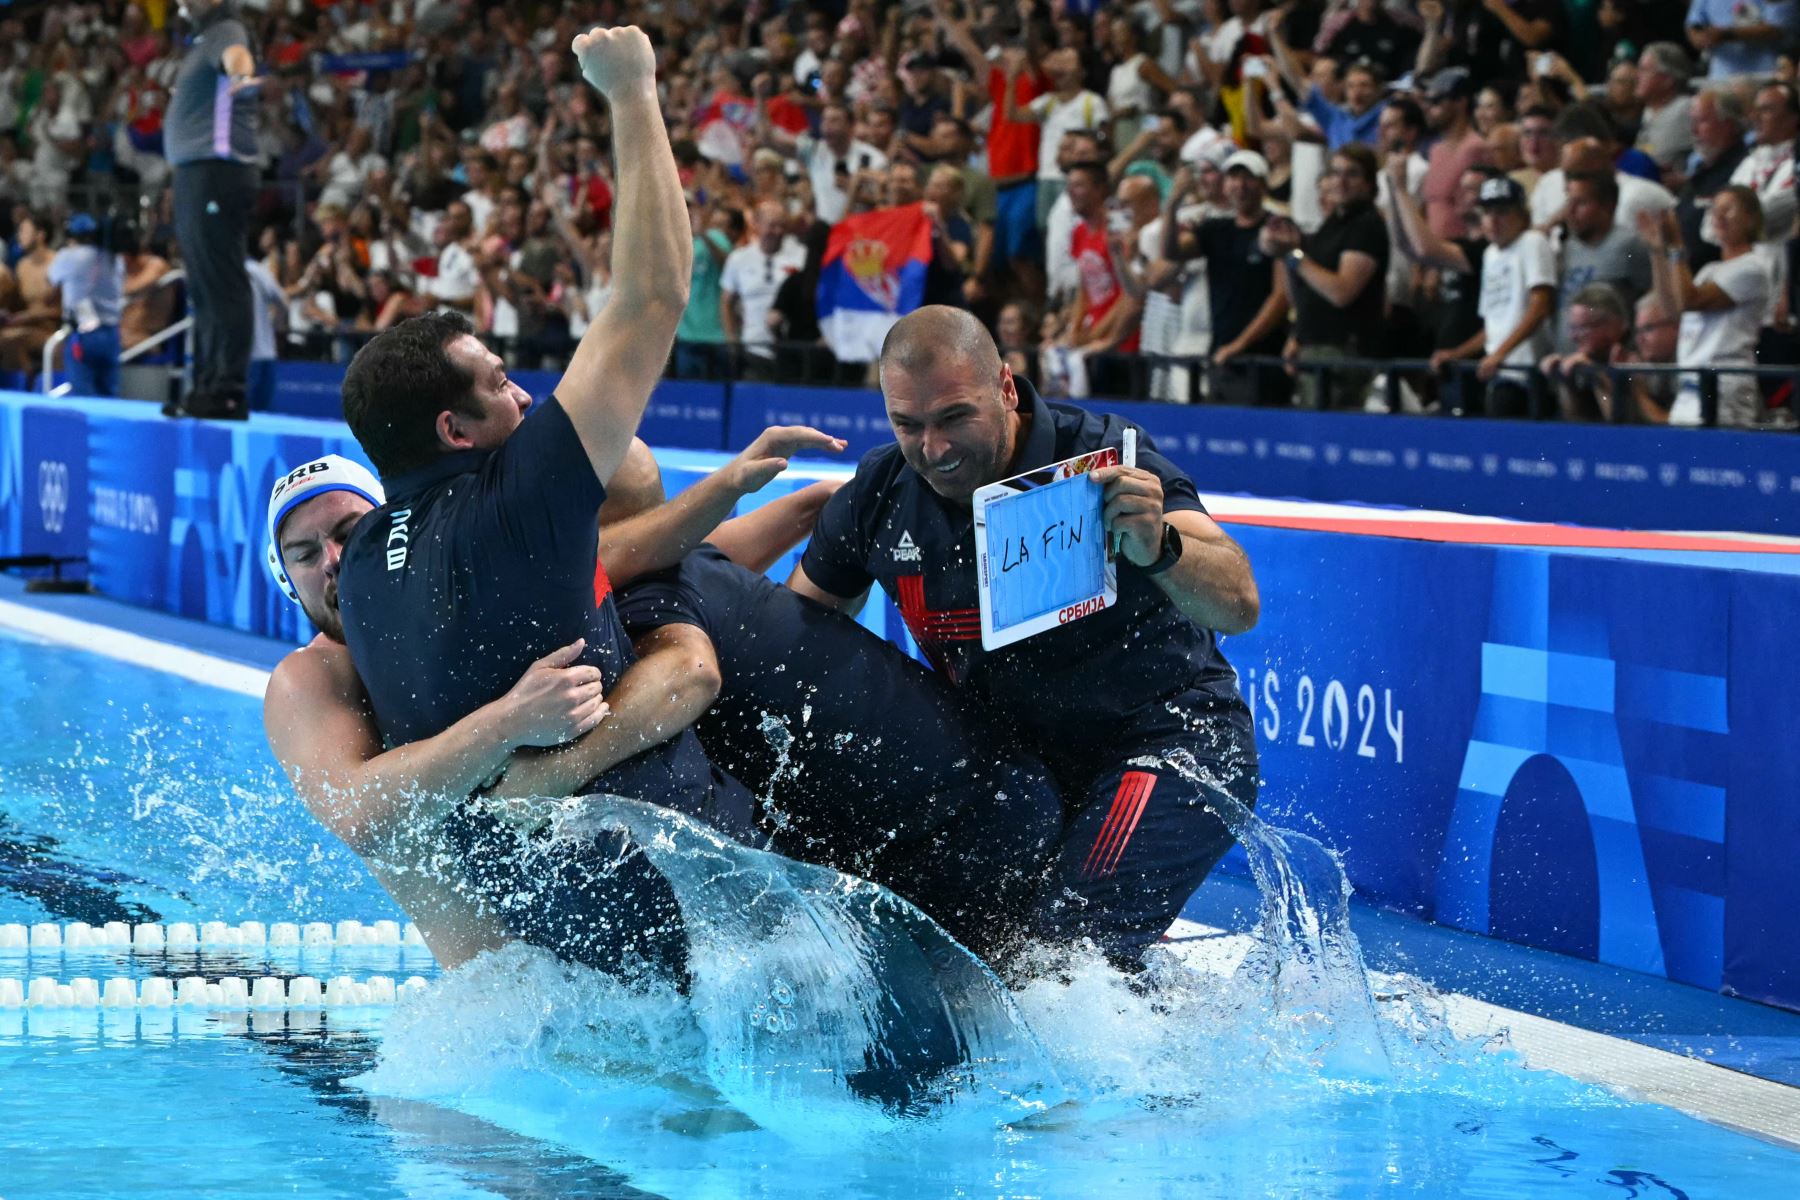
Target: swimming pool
[127, 794]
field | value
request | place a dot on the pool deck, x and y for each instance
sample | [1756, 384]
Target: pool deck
[1731, 1061]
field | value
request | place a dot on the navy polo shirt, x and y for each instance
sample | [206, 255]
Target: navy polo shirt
[1083, 686]
[479, 564]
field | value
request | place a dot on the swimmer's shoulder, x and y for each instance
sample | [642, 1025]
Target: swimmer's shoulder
[318, 675]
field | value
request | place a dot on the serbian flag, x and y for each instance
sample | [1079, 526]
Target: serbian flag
[873, 274]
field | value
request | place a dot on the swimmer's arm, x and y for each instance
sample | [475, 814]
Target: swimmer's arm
[760, 537]
[675, 679]
[321, 728]
[622, 354]
[657, 539]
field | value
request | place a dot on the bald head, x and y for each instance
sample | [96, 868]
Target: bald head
[936, 338]
[1586, 156]
[953, 405]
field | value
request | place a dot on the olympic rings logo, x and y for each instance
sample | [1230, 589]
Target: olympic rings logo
[53, 494]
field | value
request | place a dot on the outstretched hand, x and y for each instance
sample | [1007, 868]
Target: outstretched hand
[767, 457]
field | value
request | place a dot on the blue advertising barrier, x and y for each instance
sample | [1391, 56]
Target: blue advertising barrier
[1611, 476]
[1588, 753]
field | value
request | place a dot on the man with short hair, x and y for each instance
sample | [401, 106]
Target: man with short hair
[832, 159]
[1597, 249]
[1598, 322]
[1719, 120]
[1537, 146]
[1358, 118]
[1133, 708]
[484, 556]
[1458, 148]
[753, 274]
[1666, 131]
[1768, 169]
[1102, 319]
[209, 136]
[1336, 279]
[955, 142]
[1247, 296]
[1067, 107]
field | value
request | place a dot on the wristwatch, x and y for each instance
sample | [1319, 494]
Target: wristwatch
[1171, 551]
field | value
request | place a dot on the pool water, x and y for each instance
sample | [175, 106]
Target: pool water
[126, 794]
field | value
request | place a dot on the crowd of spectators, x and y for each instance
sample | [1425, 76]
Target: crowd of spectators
[1483, 204]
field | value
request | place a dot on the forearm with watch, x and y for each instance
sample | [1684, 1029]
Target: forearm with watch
[1204, 572]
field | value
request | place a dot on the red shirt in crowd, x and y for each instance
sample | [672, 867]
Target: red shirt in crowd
[1012, 145]
[1099, 278]
[1448, 163]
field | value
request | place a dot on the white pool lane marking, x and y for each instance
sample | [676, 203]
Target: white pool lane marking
[136, 649]
[1737, 1101]
[1758, 1107]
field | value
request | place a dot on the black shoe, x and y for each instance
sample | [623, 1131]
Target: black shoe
[217, 406]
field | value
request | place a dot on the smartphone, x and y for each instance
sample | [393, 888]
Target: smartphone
[1546, 63]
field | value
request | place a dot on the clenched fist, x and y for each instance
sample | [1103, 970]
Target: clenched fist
[615, 60]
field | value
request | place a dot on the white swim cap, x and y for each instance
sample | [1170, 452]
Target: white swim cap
[333, 473]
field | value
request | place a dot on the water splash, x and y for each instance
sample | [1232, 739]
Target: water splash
[1306, 963]
[828, 1002]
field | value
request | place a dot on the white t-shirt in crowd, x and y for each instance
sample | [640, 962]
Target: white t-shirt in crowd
[830, 200]
[1126, 88]
[1083, 110]
[481, 210]
[1508, 275]
[1636, 195]
[1724, 337]
[457, 275]
[754, 276]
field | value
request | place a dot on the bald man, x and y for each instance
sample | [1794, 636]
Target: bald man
[748, 284]
[1133, 708]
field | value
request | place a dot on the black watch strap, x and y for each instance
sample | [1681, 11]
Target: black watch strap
[1171, 551]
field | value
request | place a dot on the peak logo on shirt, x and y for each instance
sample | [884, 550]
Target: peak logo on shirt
[397, 539]
[908, 550]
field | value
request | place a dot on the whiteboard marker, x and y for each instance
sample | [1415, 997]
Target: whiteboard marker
[1128, 458]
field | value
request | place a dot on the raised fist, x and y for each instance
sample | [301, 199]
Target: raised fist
[615, 60]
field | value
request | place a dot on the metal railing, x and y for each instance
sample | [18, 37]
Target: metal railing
[168, 333]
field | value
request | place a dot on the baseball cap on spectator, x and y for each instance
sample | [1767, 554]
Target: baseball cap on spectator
[1452, 83]
[1248, 160]
[1502, 191]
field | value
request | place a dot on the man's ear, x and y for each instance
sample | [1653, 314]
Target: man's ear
[452, 433]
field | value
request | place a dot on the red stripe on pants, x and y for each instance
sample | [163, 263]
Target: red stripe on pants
[1121, 822]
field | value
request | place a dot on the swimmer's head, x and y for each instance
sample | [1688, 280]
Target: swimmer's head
[312, 510]
[635, 487]
[429, 387]
[952, 402]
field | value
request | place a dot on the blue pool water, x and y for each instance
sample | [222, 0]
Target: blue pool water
[130, 795]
